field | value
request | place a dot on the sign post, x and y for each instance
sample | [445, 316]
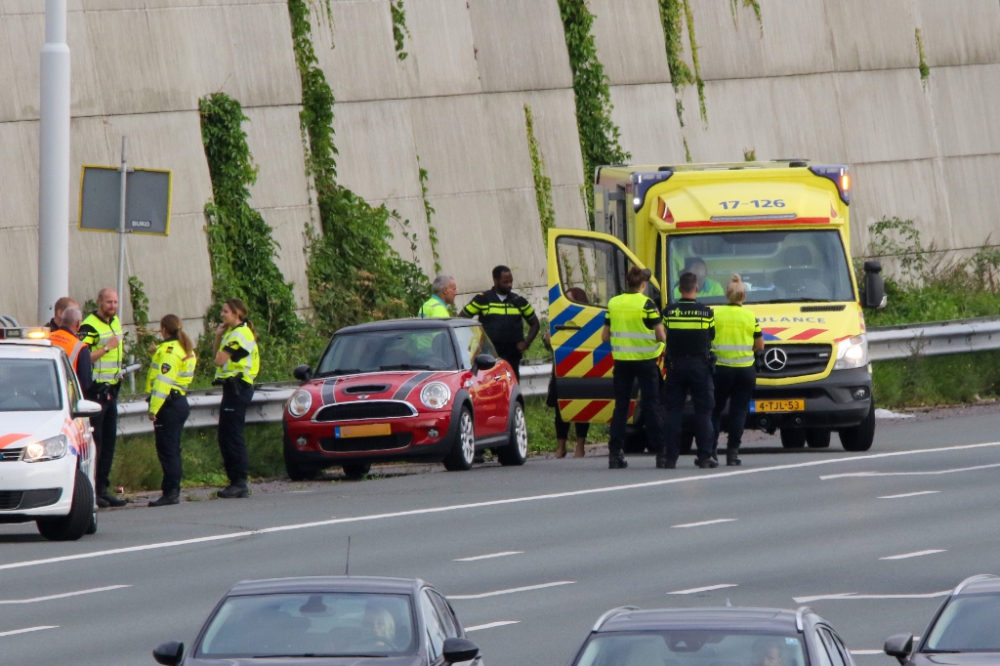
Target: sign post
[121, 221]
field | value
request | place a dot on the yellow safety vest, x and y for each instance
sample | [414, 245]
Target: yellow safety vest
[107, 369]
[248, 366]
[434, 307]
[168, 364]
[734, 336]
[631, 339]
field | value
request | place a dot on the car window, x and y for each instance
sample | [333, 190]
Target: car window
[435, 631]
[29, 385]
[375, 351]
[844, 652]
[692, 648]
[969, 623]
[447, 617]
[470, 342]
[72, 387]
[831, 647]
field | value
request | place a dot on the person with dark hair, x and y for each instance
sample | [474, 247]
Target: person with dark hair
[237, 361]
[58, 308]
[690, 331]
[635, 331]
[501, 312]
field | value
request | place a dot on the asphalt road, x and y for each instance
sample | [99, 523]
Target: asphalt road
[579, 537]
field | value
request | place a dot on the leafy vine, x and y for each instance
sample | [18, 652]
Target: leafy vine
[543, 184]
[428, 213]
[399, 29]
[925, 70]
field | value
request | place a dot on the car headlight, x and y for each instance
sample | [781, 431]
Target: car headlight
[852, 353]
[300, 403]
[435, 395]
[52, 448]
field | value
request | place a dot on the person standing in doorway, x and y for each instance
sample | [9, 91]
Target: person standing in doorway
[237, 361]
[501, 313]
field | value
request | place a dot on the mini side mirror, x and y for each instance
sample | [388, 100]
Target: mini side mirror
[899, 646]
[457, 650]
[303, 373]
[485, 361]
[86, 408]
[873, 294]
[169, 654]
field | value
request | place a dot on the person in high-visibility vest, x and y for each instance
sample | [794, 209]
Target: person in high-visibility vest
[635, 331]
[737, 337]
[64, 336]
[102, 332]
[170, 373]
[444, 288]
[237, 361]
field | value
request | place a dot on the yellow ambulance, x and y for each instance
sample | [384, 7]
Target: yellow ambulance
[784, 227]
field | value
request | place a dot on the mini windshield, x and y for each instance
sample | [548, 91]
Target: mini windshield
[693, 648]
[311, 625]
[792, 266]
[29, 385]
[969, 624]
[374, 351]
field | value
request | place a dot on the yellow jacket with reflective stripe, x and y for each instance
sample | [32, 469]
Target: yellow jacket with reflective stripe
[434, 307]
[631, 339]
[249, 365]
[734, 336]
[169, 361]
[108, 368]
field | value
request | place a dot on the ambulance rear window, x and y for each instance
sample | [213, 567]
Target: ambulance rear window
[29, 385]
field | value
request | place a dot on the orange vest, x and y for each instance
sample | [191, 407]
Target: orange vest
[69, 343]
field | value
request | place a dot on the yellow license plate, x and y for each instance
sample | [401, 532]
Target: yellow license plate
[779, 406]
[371, 430]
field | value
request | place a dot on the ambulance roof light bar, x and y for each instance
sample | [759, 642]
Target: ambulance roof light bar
[840, 176]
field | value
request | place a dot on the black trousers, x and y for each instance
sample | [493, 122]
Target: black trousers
[626, 374]
[512, 356]
[236, 397]
[105, 427]
[735, 385]
[562, 427]
[167, 429]
[689, 375]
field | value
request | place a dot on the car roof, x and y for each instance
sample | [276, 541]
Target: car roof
[324, 584]
[26, 349]
[754, 619]
[982, 583]
[408, 324]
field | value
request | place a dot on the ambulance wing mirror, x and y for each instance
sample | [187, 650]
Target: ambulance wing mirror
[873, 293]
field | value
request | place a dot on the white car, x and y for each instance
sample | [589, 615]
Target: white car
[47, 452]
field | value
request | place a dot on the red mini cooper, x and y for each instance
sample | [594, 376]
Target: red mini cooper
[409, 389]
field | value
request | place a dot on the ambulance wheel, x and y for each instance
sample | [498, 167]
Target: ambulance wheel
[861, 436]
[793, 438]
[81, 514]
[357, 471]
[817, 439]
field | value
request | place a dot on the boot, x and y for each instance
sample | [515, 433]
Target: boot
[107, 500]
[616, 460]
[662, 462]
[706, 463]
[169, 497]
[237, 490]
[732, 458]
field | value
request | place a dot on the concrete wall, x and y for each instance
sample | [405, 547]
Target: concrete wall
[832, 80]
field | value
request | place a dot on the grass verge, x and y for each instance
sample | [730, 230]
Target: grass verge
[936, 380]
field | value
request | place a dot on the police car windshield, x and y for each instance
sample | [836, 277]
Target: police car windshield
[29, 385]
[377, 351]
[693, 648]
[777, 267]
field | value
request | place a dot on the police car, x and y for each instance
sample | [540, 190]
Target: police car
[47, 453]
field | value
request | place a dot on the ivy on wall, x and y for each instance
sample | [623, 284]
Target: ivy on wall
[752, 4]
[428, 215]
[399, 29]
[240, 244]
[543, 184]
[145, 340]
[599, 136]
[925, 71]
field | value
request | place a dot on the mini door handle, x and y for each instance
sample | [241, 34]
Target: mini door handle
[568, 327]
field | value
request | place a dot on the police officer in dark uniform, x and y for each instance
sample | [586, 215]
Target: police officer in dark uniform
[690, 331]
[501, 311]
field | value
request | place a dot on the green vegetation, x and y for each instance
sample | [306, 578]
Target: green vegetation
[428, 214]
[749, 155]
[543, 184]
[937, 380]
[599, 136]
[925, 71]
[687, 151]
[752, 4]
[673, 15]
[144, 338]
[399, 29]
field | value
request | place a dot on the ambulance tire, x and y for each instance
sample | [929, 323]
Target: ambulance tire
[297, 471]
[793, 438]
[81, 514]
[817, 438]
[861, 436]
[687, 443]
[357, 471]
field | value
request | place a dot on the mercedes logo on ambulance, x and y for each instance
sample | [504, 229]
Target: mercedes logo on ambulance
[775, 359]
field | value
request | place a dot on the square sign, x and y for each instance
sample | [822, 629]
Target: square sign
[147, 200]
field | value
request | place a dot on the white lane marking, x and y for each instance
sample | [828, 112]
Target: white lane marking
[709, 588]
[906, 556]
[489, 557]
[933, 473]
[26, 631]
[65, 595]
[851, 596]
[513, 590]
[478, 505]
[706, 522]
[867, 652]
[491, 625]
[916, 494]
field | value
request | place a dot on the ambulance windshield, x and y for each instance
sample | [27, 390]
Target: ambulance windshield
[777, 267]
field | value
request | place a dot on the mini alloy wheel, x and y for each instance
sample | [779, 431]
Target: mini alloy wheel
[464, 449]
[516, 451]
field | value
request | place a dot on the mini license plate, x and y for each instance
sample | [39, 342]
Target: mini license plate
[778, 406]
[371, 430]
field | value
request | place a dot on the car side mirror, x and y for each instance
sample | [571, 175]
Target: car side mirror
[873, 295]
[303, 373]
[86, 408]
[485, 361]
[457, 650]
[169, 654]
[899, 646]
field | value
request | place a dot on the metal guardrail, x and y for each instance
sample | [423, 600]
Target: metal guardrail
[884, 343]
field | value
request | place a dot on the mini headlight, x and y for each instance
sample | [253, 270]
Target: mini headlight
[435, 395]
[52, 448]
[300, 403]
[852, 353]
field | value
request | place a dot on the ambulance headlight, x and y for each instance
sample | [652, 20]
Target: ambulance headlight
[852, 353]
[300, 403]
[435, 395]
[52, 448]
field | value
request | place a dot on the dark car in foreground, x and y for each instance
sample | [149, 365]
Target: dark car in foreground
[328, 621]
[965, 630]
[712, 637]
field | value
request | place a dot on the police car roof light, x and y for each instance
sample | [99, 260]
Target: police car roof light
[840, 176]
[23, 333]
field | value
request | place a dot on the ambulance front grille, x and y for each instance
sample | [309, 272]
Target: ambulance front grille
[800, 360]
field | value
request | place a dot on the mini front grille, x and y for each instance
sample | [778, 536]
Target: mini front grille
[801, 360]
[10, 455]
[364, 410]
[10, 499]
[353, 444]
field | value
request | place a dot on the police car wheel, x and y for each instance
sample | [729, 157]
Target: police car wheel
[463, 449]
[357, 471]
[861, 436]
[793, 438]
[81, 513]
[516, 451]
[93, 524]
[817, 439]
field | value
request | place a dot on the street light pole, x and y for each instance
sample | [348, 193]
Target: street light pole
[53, 165]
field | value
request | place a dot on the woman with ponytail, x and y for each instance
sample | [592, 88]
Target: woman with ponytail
[170, 374]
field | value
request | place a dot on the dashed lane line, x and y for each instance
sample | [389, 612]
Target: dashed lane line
[491, 625]
[706, 522]
[64, 595]
[851, 475]
[513, 590]
[490, 556]
[477, 505]
[26, 631]
[916, 494]
[906, 556]
[851, 596]
[709, 588]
